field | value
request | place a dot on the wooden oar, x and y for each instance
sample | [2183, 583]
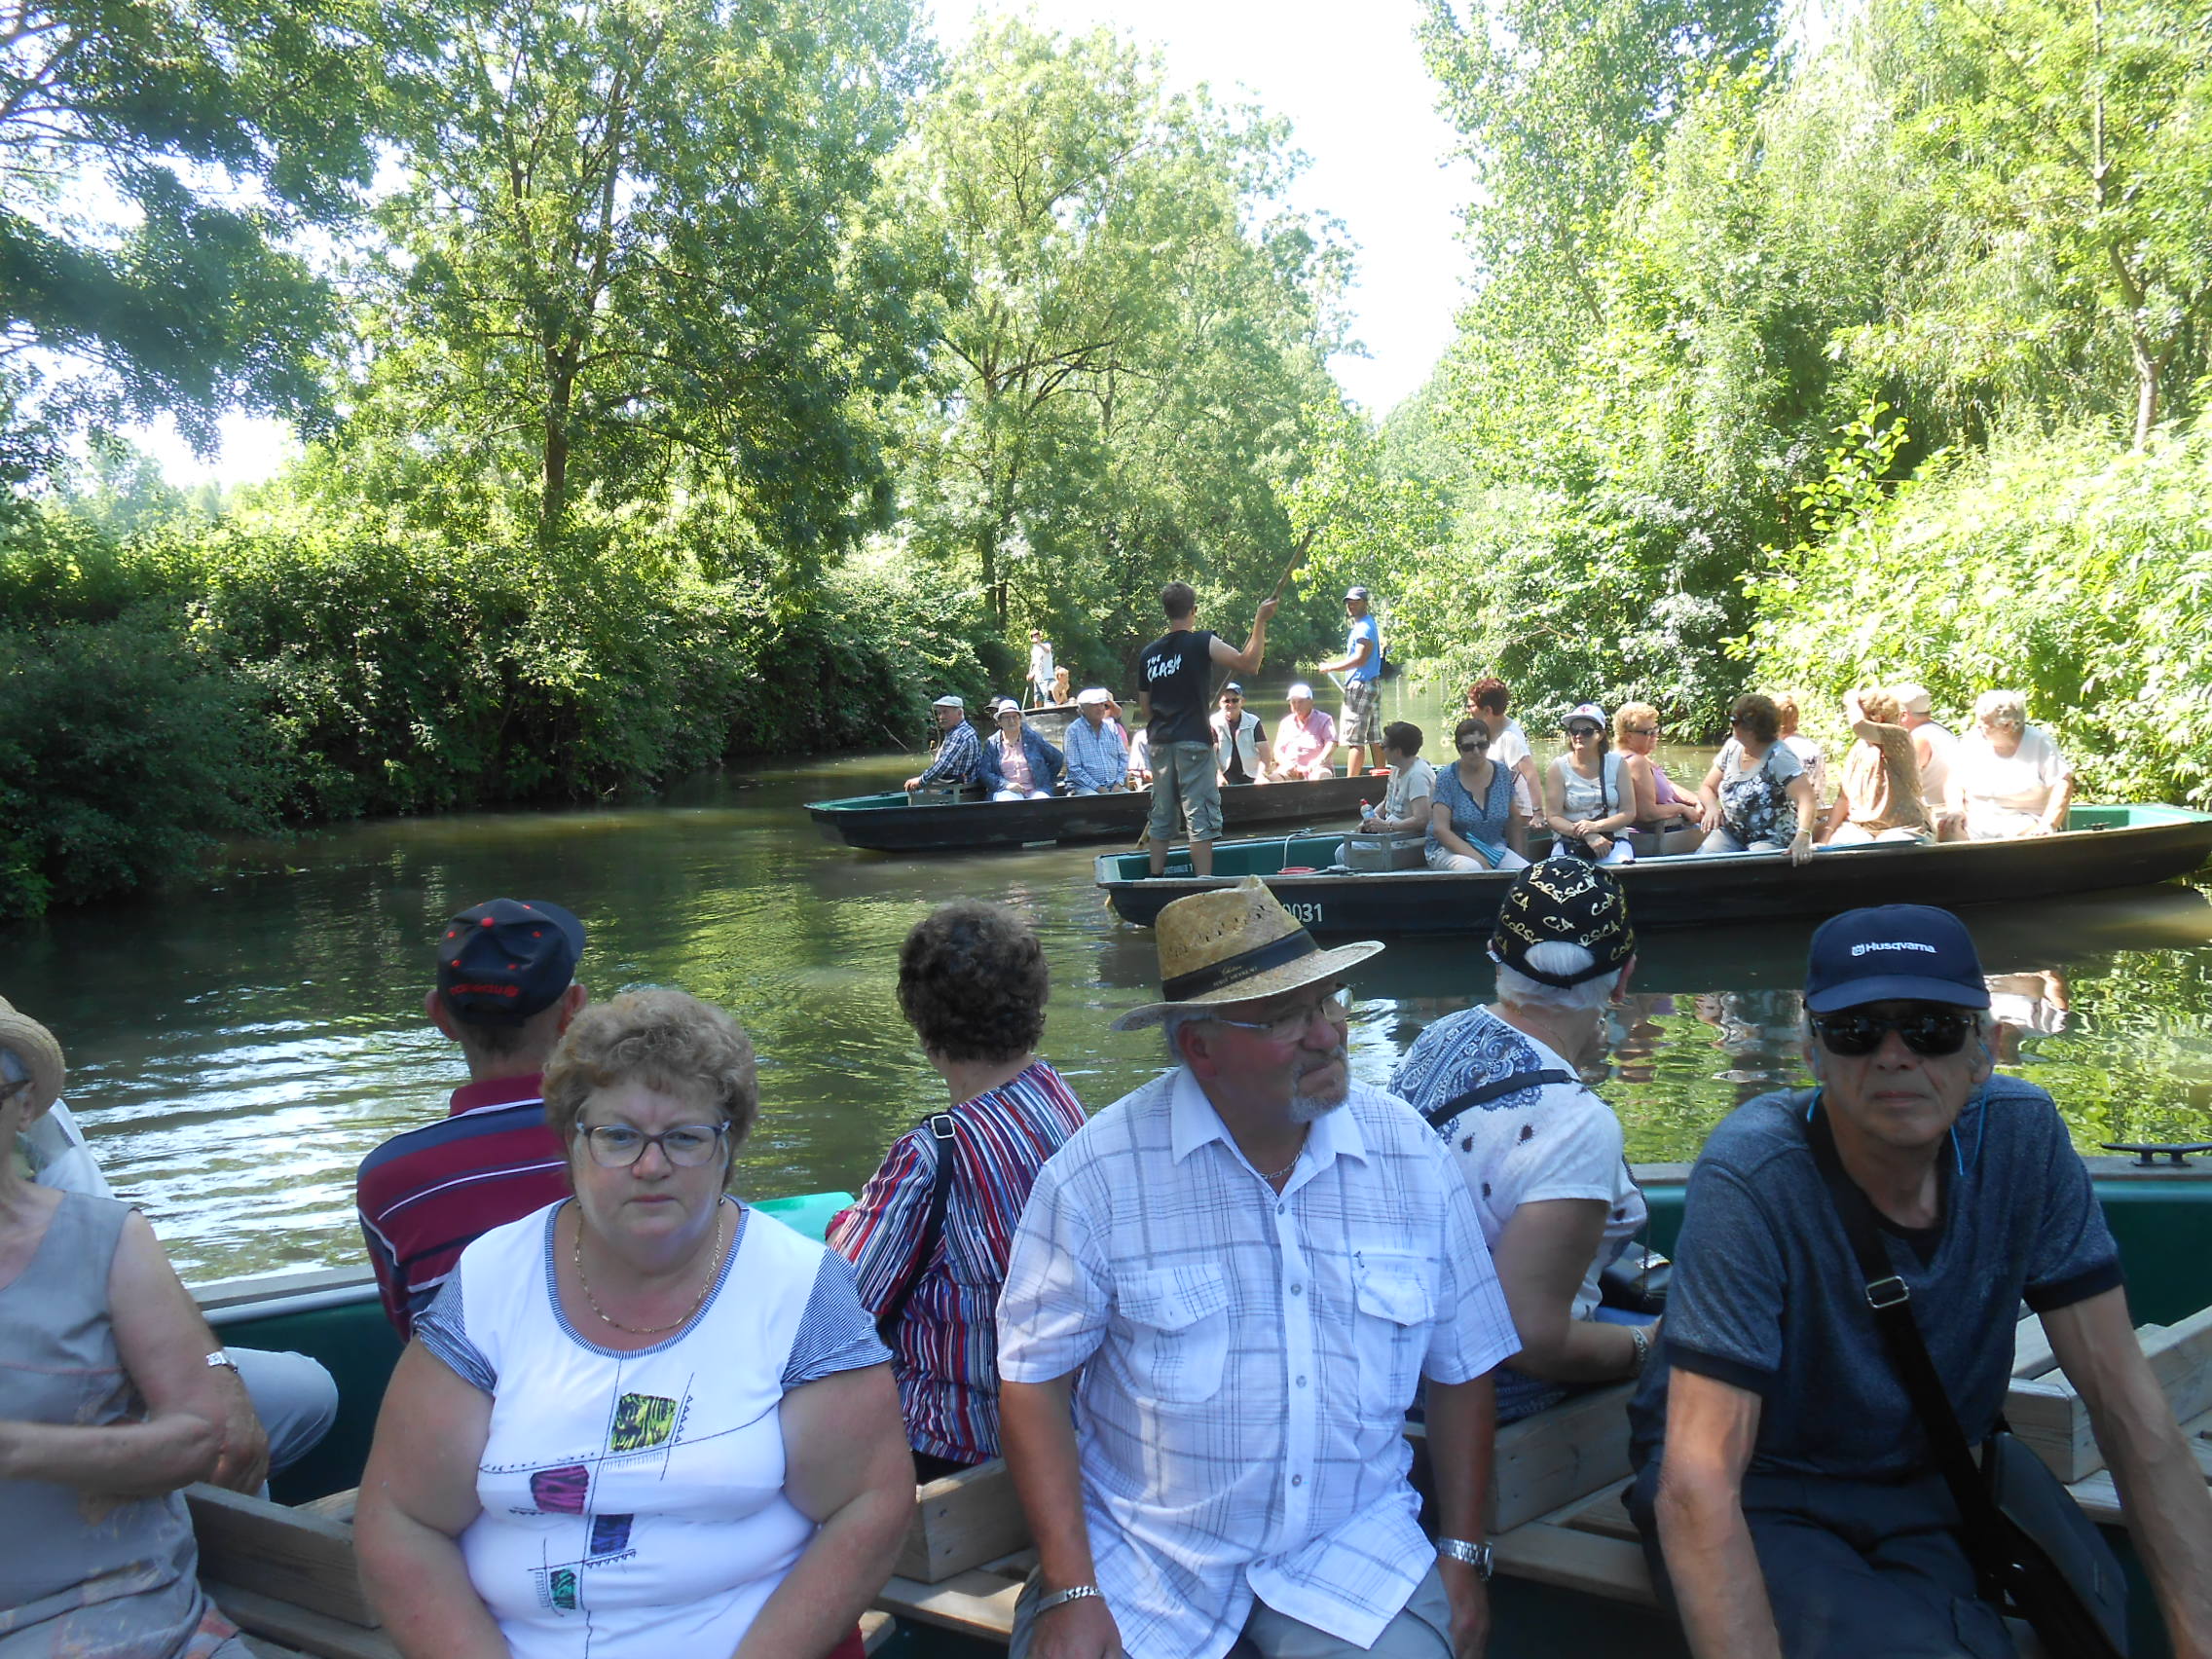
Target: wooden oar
[1297, 558]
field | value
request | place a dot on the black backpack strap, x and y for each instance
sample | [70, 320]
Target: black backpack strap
[942, 1126]
[1483, 1094]
[1891, 1302]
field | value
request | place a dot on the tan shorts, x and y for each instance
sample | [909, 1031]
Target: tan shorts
[1184, 773]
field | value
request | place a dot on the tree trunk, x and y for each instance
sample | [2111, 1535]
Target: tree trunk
[559, 393]
[2147, 367]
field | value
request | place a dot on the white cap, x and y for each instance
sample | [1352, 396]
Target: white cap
[1301, 689]
[947, 701]
[1912, 699]
[1006, 705]
[1090, 694]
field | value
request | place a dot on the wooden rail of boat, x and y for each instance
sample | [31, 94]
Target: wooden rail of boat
[2103, 847]
[889, 823]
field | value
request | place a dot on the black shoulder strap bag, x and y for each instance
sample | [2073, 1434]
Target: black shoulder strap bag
[2034, 1552]
[942, 1126]
[1483, 1094]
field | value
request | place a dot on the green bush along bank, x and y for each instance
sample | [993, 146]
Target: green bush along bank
[2061, 566]
[195, 681]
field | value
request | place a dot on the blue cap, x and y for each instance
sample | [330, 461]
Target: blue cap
[1893, 953]
[506, 959]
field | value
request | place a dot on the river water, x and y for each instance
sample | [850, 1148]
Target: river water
[235, 1048]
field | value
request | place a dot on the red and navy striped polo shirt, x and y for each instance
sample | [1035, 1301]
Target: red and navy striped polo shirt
[425, 1195]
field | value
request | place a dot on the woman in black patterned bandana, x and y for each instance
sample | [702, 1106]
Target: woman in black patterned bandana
[1540, 1153]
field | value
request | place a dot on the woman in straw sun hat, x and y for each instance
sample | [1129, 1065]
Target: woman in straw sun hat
[108, 1409]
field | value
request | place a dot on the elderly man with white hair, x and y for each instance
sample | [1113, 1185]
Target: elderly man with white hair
[1099, 760]
[1240, 1273]
[2008, 779]
[1539, 1151]
[1306, 739]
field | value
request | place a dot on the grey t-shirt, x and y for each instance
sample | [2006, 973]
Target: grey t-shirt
[1767, 1296]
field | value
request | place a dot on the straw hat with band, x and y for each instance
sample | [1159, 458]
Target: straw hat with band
[1236, 944]
[1563, 901]
[38, 1053]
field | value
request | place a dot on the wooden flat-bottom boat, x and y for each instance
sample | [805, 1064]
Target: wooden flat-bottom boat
[891, 824]
[1571, 1579]
[2101, 847]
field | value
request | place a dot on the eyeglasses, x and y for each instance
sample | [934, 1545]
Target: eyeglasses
[1930, 1032]
[1474, 743]
[1581, 731]
[1644, 731]
[1289, 1027]
[618, 1146]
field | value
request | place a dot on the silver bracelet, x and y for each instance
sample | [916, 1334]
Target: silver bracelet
[1475, 1556]
[1642, 1345]
[1062, 1597]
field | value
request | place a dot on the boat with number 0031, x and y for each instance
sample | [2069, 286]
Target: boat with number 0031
[2100, 847]
[891, 824]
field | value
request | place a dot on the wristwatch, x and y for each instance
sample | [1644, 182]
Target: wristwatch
[1475, 1556]
[222, 1357]
[1062, 1597]
[1635, 1334]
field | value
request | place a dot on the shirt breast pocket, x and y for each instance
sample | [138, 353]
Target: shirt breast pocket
[1396, 1310]
[1178, 1320]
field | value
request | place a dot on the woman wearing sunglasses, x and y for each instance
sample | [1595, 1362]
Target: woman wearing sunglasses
[647, 1421]
[1659, 806]
[1587, 797]
[1474, 822]
[1756, 794]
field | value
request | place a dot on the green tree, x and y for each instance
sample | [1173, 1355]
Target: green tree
[155, 156]
[1133, 337]
[631, 260]
[2064, 148]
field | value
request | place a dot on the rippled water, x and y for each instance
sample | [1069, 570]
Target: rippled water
[234, 1050]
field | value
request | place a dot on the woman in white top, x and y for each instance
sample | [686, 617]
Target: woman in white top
[1544, 1159]
[647, 1421]
[2008, 779]
[1588, 799]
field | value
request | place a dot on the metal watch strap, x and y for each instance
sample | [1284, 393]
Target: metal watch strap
[1475, 1556]
[1062, 1597]
[222, 1357]
[1641, 1339]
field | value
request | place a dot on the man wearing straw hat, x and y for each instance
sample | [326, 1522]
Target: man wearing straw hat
[1240, 1273]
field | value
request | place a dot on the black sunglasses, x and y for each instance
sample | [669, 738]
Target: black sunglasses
[1474, 743]
[1932, 1033]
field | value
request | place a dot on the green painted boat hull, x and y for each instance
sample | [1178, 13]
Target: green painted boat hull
[2162, 1222]
[2104, 847]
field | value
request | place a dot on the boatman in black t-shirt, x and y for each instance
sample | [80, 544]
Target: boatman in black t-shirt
[1785, 1472]
[1175, 683]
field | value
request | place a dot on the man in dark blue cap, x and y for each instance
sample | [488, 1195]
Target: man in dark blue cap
[505, 991]
[1787, 1492]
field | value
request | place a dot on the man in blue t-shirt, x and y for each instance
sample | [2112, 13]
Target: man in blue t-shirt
[1361, 665]
[1176, 679]
[1786, 1490]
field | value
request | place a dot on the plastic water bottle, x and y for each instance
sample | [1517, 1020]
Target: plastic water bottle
[1366, 811]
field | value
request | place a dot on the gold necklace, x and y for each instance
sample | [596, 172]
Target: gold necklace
[714, 1267]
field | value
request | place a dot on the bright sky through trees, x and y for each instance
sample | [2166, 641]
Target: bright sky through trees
[1351, 82]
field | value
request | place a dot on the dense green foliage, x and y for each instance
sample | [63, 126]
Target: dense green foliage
[1699, 264]
[728, 379]
[2056, 565]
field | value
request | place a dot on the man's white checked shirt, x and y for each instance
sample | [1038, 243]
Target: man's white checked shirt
[1247, 1361]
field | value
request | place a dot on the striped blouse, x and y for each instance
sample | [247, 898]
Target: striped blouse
[944, 1353]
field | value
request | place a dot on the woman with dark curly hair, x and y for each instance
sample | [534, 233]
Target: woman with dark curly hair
[930, 1236]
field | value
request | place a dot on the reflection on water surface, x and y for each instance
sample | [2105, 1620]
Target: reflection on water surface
[236, 1050]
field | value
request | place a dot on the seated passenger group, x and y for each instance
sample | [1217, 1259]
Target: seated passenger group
[641, 1417]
